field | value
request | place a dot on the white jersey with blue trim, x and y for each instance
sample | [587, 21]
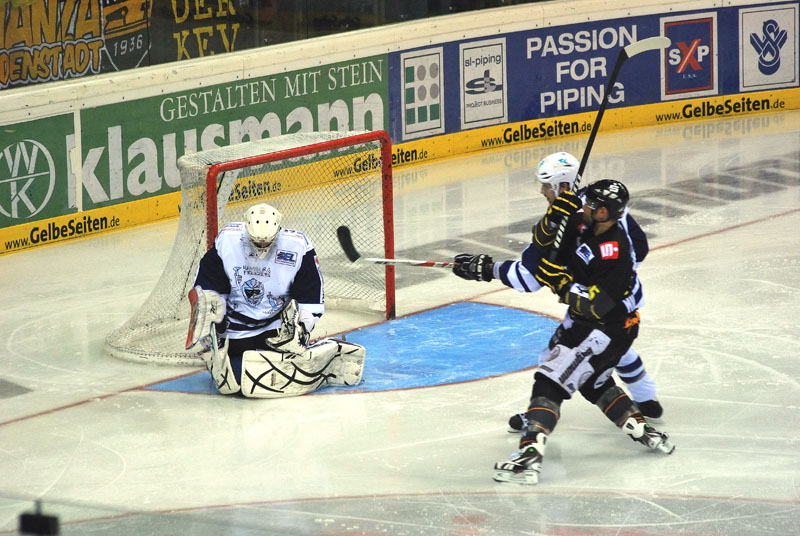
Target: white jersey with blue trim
[261, 288]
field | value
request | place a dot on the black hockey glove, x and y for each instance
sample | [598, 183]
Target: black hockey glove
[563, 206]
[473, 267]
[553, 276]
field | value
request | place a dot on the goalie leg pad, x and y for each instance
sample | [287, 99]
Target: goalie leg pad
[277, 374]
[219, 366]
[208, 309]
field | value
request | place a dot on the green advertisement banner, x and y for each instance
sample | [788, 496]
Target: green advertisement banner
[33, 158]
[130, 149]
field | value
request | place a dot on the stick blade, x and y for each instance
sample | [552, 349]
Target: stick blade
[346, 241]
[651, 43]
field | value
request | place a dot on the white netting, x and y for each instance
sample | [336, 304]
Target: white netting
[316, 193]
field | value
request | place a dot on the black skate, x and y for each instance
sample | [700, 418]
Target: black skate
[651, 409]
[524, 466]
[643, 433]
[517, 423]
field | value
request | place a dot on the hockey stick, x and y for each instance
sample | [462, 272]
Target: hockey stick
[625, 53]
[346, 241]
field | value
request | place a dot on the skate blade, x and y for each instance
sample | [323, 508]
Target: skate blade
[666, 447]
[529, 477]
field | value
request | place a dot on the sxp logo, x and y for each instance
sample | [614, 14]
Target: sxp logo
[27, 179]
[689, 66]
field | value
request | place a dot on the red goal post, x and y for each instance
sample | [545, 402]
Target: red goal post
[319, 181]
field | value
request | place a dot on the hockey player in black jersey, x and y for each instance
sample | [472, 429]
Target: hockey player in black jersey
[557, 173]
[599, 329]
[593, 276]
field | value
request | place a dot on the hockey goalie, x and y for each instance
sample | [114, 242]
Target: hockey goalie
[257, 296]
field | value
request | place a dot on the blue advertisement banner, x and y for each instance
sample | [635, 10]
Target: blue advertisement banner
[552, 72]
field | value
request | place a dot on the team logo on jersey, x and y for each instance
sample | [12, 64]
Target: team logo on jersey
[609, 250]
[253, 291]
[289, 258]
[585, 253]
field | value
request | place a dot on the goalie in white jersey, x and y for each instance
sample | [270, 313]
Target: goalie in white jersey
[257, 296]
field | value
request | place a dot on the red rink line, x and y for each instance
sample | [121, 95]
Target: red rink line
[93, 399]
[472, 520]
[677, 242]
[731, 228]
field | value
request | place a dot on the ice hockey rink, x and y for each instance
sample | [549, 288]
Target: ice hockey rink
[113, 447]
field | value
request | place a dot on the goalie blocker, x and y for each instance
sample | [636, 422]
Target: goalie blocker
[288, 367]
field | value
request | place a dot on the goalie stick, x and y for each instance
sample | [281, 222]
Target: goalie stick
[625, 53]
[346, 241]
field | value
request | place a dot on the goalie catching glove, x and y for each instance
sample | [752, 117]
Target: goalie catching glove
[563, 206]
[554, 276]
[295, 330]
[208, 310]
[473, 267]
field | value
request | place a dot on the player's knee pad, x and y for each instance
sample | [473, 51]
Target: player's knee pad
[542, 415]
[274, 373]
[616, 404]
[570, 367]
[219, 366]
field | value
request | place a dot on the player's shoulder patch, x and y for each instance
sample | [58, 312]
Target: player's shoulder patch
[609, 250]
[296, 237]
[233, 226]
[289, 258]
[232, 233]
[584, 252]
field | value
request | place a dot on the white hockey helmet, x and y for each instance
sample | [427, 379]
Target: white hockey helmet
[557, 168]
[262, 225]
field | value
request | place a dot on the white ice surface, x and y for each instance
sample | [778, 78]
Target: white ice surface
[719, 334]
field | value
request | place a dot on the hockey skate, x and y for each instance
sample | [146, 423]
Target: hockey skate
[643, 433]
[517, 423]
[524, 466]
[651, 409]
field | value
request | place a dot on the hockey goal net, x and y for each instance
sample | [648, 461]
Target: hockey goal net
[319, 181]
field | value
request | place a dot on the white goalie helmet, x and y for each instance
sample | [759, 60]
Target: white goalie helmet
[262, 224]
[557, 168]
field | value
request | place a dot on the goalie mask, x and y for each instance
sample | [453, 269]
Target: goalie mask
[262, 225]
[557, 168]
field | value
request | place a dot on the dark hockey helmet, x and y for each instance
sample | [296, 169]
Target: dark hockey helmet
[607, 193]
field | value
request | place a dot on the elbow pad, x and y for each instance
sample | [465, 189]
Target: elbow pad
[544, 232]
